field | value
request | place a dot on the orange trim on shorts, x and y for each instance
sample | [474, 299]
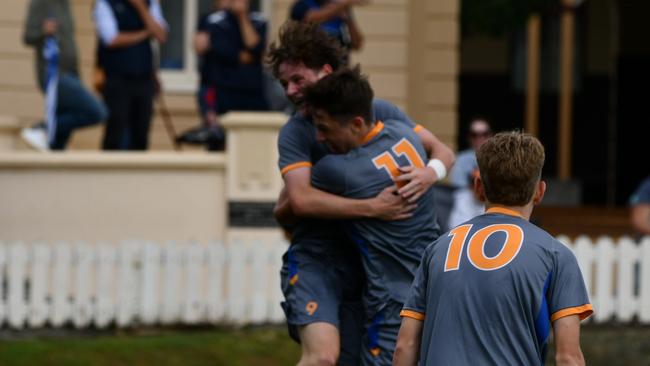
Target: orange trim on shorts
[374, 132]
[412, 314]
[583, 311]
[290, 167]
[418, 128]
[503, 210]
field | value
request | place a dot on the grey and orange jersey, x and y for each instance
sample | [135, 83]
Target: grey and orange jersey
[390, 250]
[489, 291]
[298, 147]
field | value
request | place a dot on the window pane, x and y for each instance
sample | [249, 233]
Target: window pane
[172, 52]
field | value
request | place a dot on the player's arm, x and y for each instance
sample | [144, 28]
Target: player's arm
[282, 210]
[640, 217]
[421, 179]
[331, 10]
[566, 332]
[306, 200]
[407, 350]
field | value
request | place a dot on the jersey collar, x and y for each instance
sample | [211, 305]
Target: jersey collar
[379, 126]
[504, 211]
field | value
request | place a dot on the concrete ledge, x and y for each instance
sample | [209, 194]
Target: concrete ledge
[8, 123]
[272, 120]
[121, 160]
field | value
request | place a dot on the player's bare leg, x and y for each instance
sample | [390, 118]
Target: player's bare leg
[320, 344]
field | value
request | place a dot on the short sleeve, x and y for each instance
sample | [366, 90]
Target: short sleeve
[642, 194]
[157, 14]
[567, 292]
[294, 148]
[329, 174]
[203, 24]
[299, 10]
[416, 302]
[384, 111]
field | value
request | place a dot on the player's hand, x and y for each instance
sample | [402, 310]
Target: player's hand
[419, 181]
[239, 7]
[50, 27]
[138, 3]
[389, 206]
[357, 2]
[246, 58]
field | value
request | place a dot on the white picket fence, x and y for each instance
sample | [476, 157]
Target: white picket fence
[617, 275]
[144, 283]
[139, 283]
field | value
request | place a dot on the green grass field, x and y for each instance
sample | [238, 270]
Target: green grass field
[255, 347]
[268, 346]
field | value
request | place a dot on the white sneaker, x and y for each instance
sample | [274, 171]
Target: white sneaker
[35, 137]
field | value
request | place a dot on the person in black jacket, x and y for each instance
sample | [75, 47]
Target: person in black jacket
[125, 29]
[230, 43]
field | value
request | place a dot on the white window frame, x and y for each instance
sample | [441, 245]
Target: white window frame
[186, 81]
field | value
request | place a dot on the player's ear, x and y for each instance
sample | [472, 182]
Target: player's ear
[539, 192]
[479, 190]
[358, 123]
[325, 70]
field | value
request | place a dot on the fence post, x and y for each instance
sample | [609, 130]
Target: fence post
[584, 253]
[192, 306]
[82, 301]
[106, 285]
[627, 254]
[644, 306]
[3, 265]
[173, 259]
[237, 273]
[259, 252]
[17, 276]
[40, 265]
[62, 262]
[216, 276]
[605, 255]
[149, 279]
[127, 290]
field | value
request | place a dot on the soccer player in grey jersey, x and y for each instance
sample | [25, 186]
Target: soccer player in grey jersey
[489, 292]
[320, 267]
[369, 154]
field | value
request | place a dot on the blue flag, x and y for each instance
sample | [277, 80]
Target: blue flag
[51, 55]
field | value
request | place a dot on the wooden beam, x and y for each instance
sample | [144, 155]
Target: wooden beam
[533, 46]
[567, 31]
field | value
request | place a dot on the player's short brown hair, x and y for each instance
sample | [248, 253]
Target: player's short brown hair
[510, 164]
[344, 94]
[306, 43]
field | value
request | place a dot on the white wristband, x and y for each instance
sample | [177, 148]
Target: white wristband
[439, 167]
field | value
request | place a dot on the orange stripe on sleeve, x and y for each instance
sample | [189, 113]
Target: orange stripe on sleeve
[418, 128]
[412, 314]
[583, 311]
[301, 164]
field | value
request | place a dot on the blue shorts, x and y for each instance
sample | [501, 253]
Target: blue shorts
[325, 288]
[380, 337]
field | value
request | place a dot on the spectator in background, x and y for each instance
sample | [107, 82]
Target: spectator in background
[125, 29]
[335, 17]
[76, 106]
[230, 43]
[466, 205]
[640, 203]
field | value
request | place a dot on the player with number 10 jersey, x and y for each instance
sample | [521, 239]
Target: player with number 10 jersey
[488, 291]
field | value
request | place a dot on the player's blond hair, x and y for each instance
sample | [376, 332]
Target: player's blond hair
[510, 164]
